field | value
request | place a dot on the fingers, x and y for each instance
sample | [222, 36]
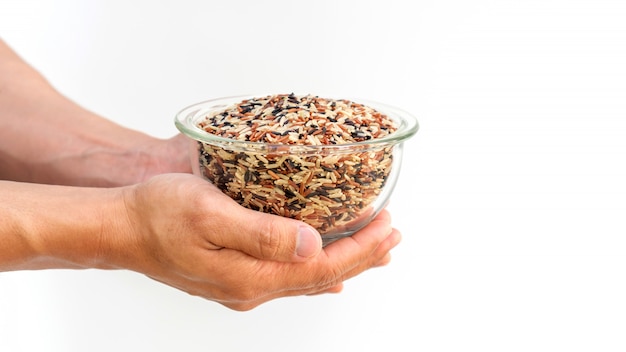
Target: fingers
[367, 248]
[269, 237]
[379, 258]
[360, 247]
[342, 259]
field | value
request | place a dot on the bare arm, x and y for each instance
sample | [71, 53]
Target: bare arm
[47, 138]
[49, 226]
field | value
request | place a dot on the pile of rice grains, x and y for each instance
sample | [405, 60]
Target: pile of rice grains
[327, 190]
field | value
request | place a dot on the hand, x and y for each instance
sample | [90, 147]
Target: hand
[159, 156]
[189, 235]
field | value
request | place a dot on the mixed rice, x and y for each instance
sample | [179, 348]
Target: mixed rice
[330, 191]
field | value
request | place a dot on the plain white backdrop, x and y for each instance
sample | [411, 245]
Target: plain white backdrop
[511, 200]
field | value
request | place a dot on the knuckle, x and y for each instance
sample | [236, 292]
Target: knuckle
[329, 277]
[270, 239]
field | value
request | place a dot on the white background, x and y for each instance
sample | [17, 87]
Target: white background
[511, 200]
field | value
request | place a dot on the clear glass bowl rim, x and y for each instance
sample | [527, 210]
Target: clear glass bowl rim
[186, 122]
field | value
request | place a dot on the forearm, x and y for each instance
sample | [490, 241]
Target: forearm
[46, 226]
[46, 138]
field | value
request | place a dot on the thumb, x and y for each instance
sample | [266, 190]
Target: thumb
[272, 237]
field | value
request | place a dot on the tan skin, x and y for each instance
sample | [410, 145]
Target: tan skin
[89, 193]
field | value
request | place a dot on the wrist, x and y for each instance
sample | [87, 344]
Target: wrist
[118, 244]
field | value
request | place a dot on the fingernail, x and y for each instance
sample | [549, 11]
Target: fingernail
[309, 242]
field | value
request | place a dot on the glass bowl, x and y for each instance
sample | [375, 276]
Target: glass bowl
[337, 188]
